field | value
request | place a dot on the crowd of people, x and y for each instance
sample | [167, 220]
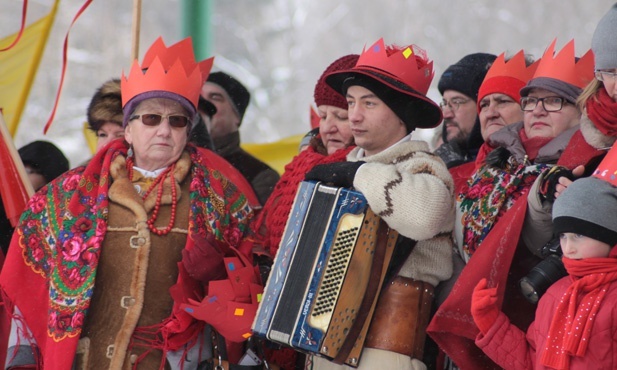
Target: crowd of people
[153, 254]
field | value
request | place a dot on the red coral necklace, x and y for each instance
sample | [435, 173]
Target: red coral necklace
[158, 183]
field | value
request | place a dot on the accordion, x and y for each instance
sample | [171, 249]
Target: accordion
[326, 276]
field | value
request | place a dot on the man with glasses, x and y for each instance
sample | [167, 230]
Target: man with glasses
[459, 86]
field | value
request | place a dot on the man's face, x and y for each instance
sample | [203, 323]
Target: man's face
[226, 120]
[375, 127]
[459, 115]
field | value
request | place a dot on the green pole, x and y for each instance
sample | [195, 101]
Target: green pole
[196, 23]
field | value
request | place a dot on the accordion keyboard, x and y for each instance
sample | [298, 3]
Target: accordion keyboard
[336, 268]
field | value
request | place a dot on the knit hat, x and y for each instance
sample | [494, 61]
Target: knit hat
[400, 77]
[603, 42]
[507, 77]
[587, 206]
[45, 158]
[324, 94]
[562, 73]
[106, 105]
[466, 75]
[239, 95]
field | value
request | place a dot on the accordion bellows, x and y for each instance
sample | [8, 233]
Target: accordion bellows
[327, 273]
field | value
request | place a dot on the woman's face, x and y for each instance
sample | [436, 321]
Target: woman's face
[334, 128]
[497, 111]
[540, 123]
[157, 146]
[108, 132]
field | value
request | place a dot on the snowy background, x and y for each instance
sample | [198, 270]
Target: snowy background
[278, 48]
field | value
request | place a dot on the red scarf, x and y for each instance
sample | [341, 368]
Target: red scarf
[271, 222]
[533, 145]
[574, 317]
[602, 111]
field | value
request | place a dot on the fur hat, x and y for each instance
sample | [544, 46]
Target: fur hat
[324, 94]
[466, 75]
[400, 77]
[45, 158]
[239, 95]
[106, 105]
[603, 42]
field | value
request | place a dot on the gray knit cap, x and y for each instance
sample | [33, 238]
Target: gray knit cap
[587, 207]
[604, 41]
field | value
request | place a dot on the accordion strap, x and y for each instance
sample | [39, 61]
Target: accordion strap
[374, 283]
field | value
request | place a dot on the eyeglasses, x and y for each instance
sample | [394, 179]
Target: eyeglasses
[453, 104]
[151, 119]
[606, 76]
[549, 103]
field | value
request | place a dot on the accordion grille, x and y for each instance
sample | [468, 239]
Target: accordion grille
[336, 268]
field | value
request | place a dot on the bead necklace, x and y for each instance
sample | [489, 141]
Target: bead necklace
[159, 196]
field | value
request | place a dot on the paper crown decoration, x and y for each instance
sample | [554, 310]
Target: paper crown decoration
[409, 65]
[563, 65]
[515, 67]
[172, 69]
[507, 76]
[607, 169]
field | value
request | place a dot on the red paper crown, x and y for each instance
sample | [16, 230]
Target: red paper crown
[607, 169]
[515, 67]
[172, 69]
[409, 65]
[563, 66]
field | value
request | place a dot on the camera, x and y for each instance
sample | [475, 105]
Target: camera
[545, 273]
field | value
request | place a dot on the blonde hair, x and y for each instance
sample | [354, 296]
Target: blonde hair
[588, 93]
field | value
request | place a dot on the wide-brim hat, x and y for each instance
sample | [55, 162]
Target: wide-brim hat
[412, 107]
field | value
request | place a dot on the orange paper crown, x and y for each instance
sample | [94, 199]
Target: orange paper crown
[172, 69]
[563, 66]
[409, 65]
[507, 77]
[515, 67]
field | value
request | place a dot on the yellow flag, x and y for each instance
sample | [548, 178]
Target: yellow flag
[18, 67]
[276, 154]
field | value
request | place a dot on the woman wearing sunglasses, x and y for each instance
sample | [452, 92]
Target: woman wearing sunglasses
[491, 205]
[107, 253]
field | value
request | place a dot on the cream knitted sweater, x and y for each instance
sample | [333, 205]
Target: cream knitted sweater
[412, 190]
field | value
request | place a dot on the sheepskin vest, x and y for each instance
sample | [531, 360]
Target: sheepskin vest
[141, 267]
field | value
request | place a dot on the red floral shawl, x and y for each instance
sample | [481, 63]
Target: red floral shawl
[52, 285]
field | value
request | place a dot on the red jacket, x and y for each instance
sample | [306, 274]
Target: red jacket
[512, 349]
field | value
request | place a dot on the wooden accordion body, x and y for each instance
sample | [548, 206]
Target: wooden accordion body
[327, 273]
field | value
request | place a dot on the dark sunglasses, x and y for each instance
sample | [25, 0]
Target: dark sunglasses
[151, 119]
